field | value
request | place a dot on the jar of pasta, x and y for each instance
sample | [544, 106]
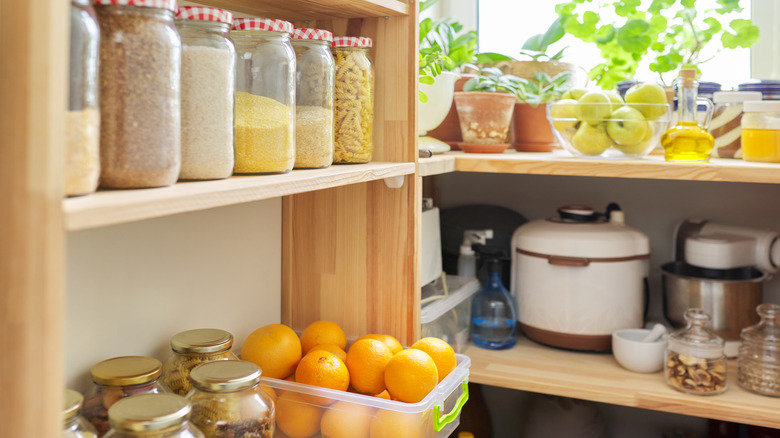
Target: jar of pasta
[116, 378]
[74, 425]
[152, 416]
[227, 400]
[354, 100]
[761, 131]
[265, 96]
[208, 86]
[313, 98]
[191, 348]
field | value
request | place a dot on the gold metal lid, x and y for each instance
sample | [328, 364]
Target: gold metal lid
[126, 370]
[145, 412]
[72, 405]
[225, 375]
[202, 341]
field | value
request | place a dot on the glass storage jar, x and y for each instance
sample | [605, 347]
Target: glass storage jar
[117, 378]
[354, 100]
[191, 348]
[761, 131]
[265, 96]
[313, 98]
[725, 126]
[227, 400]
[82, 121]
[758, 360]
[694, 359]
[208, 86]
[74, 425]
[152, 416]
[140, 59]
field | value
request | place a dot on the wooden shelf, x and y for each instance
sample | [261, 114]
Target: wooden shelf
[436, 165]
[110, 207]
[598, 377]
[299, 10]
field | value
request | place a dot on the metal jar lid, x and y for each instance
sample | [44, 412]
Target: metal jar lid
[201, 341]
[126, 371]
[147, 412]
[72, 405]
[225, 375]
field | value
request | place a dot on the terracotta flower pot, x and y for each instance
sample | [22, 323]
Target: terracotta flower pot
[448, 131]
[484, 117]
[531, 131]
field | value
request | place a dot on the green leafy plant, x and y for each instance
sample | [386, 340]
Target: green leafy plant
[543, 88]
[672, 34]
[534, 47]
[492, 80]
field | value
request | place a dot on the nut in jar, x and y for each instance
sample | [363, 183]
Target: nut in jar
[191, 348]
[694, 374]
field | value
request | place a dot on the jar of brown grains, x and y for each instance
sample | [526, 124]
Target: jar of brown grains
[74, 425]
[152, 416]
[140, 60]
[313, 98]
[265, 96]
[354, 100]
[758, 360]
[191, 348]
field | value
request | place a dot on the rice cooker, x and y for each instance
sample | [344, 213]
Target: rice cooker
[579, 276]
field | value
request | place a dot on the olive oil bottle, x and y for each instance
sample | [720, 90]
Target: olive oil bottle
[687, 141]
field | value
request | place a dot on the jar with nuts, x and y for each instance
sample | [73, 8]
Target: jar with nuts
[695, 362]
[190, 349]
[152, 416]
[758, 360]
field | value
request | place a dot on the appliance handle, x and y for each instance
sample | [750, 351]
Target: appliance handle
[579, 261]
[575, 262]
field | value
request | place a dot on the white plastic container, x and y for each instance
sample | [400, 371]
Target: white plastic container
[445, 315]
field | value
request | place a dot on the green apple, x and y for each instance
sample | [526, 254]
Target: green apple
[591, 139]
[638, 148]
[627, 126]
[574, 93]
[647, 93]
[615, 98]
[565, 114]
[593, 107]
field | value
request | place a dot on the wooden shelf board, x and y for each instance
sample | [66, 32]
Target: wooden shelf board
[436, 165]
[598, 377]
[110, 207]
[297, 10]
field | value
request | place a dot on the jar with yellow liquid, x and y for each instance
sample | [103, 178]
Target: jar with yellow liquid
[687, 140]
[761, 131]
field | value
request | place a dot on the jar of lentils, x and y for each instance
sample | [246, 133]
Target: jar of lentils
[758, 360]
[152, 416]
[74, 425]
[190, 349]
[208, 86]
[140, 60]
[265, 96]
[695, 362]
[354, 100]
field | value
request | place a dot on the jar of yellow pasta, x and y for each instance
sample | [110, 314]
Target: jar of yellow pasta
[265, 96]
[354, 100]
[191, 348]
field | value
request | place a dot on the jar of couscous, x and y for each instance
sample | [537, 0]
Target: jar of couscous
[354, 100]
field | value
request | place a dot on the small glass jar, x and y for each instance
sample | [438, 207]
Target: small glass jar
[74, 425]
[228, 401]
[140, 60]
[313, 98]
[82, 122]
[190, 349]
[152, 416]
[694, 360]
[758, 360]
[761, 131]
[354, 100]
[208, 87]
[725, 126]
[116, 378]
[265, 95]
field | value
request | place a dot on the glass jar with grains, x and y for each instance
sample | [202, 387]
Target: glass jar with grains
[313, 98]
[208, 85]
[695, 362]
[758, 360]
[116, 378]
[140, 60]
[74, 425]
[152, 416]
[227, 400]
[82, 121]
[191, 348]
[354, 100]
[265, 95]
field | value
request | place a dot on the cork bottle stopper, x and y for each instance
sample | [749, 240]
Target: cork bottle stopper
[688, 75]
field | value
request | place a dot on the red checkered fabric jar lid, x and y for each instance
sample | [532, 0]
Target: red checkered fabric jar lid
[352, 42]
[312, 34]
[160, 4]
[204, 14]
[269, 24]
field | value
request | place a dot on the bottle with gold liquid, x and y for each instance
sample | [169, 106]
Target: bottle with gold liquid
[688, 141]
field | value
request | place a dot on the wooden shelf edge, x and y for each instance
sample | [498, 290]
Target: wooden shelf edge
[436, 165]
[598, 377]
[309, 9]
[111, 207]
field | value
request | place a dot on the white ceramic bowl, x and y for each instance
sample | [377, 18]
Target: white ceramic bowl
[634, 355]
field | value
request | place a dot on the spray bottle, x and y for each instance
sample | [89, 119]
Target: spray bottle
[467, 261]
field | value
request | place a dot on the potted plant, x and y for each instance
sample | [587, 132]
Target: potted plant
[531, 132]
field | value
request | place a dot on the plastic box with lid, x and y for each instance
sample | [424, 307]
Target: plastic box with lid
[446, 309]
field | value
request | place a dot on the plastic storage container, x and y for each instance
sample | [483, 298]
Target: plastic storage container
[140, 60]
[74, 425]
[152, 416]
[446, 310]
[726, 118]
[265, 96]
[354, 101]
[208, 87]
[694, 361]
[761, 131]
[758, 360]
[191, 348]
[313, 98]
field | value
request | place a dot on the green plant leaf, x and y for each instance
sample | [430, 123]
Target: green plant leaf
[688, 3]
[425, 4]
[553, 34]
[632, 37]
[534, 43]
[422, 96]
[728, 6]
[626, 8]
[584, 29]
[605, 34]
[484, 57]
[658, 24]
[428, 80]
[745, 34]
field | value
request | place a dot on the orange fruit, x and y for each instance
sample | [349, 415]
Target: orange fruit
[322, 332]
[323, 369]
[391, 342]
[384, 394]
[270, 391]
[331, 348]
[346, 420]
[441, 353]
[411, 375]
[394, 424]
[366, 362]
[275, 348]
[295, 417]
